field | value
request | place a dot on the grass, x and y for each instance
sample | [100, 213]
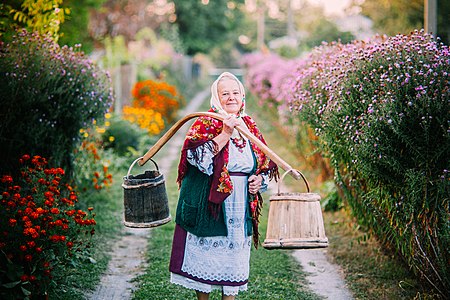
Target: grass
[83, 278]
[371, 273]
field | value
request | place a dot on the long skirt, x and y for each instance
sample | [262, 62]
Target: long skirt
[220, 262]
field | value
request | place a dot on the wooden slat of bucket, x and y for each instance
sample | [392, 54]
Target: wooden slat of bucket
[295, 222]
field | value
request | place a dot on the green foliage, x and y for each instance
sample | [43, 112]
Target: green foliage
[171, 33]
[203, 27]
[44, 16]
[122, 136]
[91, 162]
[381, 111]
[47, 94]
[75, 29]
[395, 16]
[326, 31]
[332, 201]
[81, 279]
[403, 16]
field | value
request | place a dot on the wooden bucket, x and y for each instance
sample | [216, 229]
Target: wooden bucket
[145, 199]
[295, 221]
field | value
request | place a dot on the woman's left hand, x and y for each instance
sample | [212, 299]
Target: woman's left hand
[254, 183]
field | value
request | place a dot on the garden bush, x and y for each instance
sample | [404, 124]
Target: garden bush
[271, 79]
[122, 136]
[42, 232]
[160, 101]
[381, 111]
[47, 94]
[269, 76]
[92, 162]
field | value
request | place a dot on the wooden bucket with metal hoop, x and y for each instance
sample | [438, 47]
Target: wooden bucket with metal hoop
[295, 220]
[145, 199]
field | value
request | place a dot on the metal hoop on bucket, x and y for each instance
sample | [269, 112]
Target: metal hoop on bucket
[291, 170]
[135, 161]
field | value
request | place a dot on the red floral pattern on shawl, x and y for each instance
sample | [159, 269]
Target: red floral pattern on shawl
[205, 129]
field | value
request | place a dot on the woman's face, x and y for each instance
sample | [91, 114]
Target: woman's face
[230, 95]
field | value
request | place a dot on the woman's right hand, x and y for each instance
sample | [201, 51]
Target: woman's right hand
[228, 125]
[223, 138]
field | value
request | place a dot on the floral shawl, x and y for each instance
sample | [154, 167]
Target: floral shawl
[205, 129]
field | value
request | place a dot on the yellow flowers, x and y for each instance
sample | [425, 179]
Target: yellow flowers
[146, 118]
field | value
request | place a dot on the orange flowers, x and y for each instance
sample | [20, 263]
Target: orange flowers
[154, 105]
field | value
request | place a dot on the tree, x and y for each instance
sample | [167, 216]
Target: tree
[75, 29]
[44, 16]
[326, 31]
[126, 17]
[204, 25]
[403, 16]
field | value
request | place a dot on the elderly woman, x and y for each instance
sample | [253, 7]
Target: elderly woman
[221, 175]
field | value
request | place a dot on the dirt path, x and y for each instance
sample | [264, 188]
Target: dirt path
[128, 253]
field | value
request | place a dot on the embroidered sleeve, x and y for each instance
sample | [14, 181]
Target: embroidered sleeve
[202, 157]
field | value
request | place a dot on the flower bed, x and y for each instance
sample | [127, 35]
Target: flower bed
[155, 105]
[41, 230]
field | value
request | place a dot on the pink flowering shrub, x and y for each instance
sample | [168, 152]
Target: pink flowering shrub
[270, 77]
[381, 110]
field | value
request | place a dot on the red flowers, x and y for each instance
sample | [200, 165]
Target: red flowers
[39, 222]
[12, 222]
[54, 211]
[7, 179]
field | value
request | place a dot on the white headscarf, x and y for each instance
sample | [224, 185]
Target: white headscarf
[215, 100]
[217, 106]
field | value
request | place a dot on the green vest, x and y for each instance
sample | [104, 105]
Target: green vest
[192, 209]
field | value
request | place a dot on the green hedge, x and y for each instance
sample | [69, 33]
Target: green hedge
[381, 110]
[47, 94]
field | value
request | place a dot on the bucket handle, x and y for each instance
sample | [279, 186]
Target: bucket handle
[291, 170]
[135, 161]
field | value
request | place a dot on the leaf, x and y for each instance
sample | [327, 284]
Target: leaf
[93, 261]
[11, 284]
[25, 291]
